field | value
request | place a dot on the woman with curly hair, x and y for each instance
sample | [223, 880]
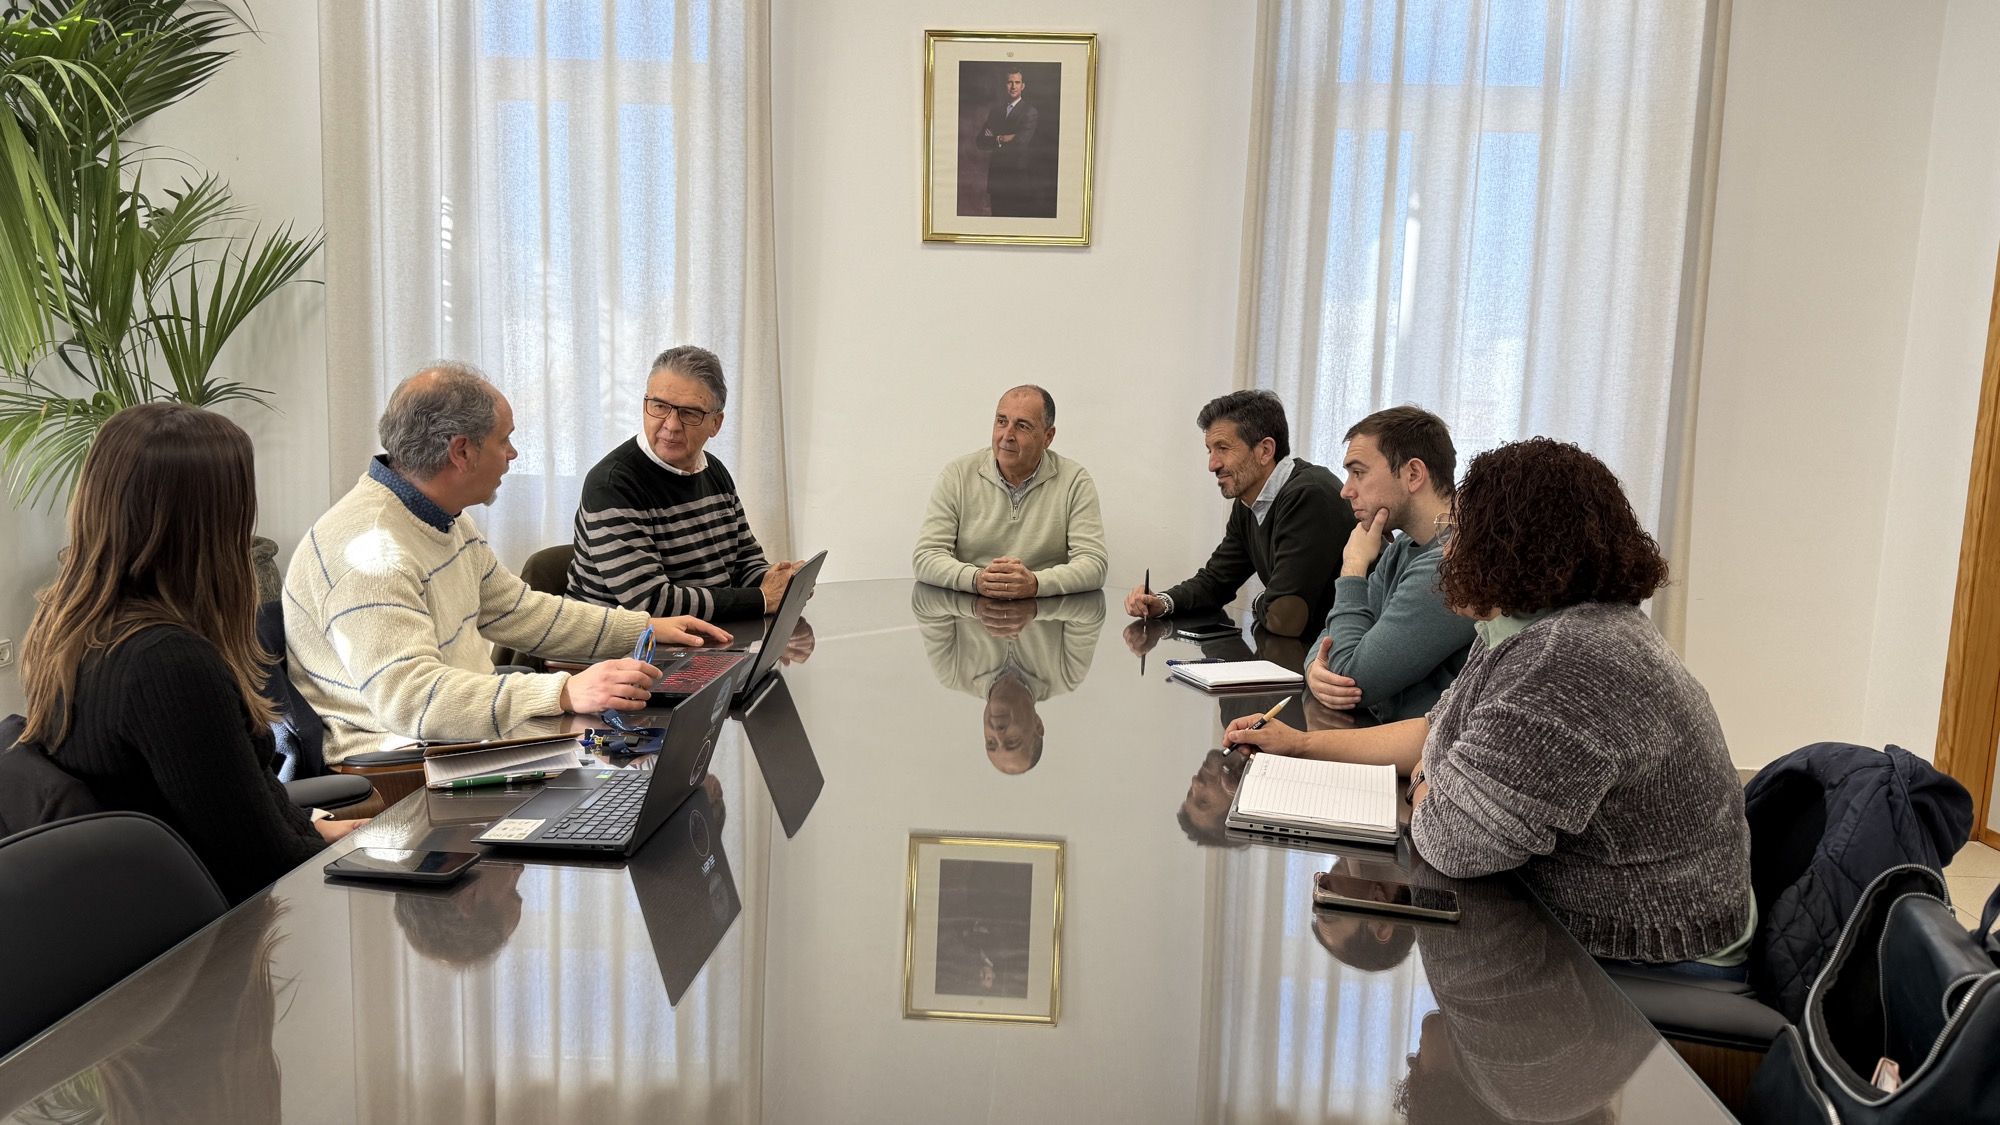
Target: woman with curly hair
[1575, 746]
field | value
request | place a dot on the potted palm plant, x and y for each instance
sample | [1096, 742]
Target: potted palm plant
[128, 291]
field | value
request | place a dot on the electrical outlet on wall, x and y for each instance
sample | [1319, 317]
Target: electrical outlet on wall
[6, 653]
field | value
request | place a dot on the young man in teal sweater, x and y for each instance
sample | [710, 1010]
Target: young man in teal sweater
[1390, 645]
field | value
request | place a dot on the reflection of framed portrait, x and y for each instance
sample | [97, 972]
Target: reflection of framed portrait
[1007, 137]
[982, 939]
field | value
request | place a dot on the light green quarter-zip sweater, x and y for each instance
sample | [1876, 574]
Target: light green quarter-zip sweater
[1055, 529]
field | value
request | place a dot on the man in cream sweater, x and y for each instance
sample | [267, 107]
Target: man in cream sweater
[393, 600]
[1014, 520]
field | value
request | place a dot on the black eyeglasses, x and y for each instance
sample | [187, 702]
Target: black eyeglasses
[690, 415]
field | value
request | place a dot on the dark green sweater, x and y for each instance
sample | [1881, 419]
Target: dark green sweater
[1295, 552]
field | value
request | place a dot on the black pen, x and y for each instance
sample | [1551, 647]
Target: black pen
[1146, 588]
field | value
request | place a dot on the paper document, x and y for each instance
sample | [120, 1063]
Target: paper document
[1333, 793]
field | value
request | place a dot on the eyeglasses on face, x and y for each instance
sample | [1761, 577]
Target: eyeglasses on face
[690, 415]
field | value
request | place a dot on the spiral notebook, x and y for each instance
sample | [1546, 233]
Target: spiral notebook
[1319, 800]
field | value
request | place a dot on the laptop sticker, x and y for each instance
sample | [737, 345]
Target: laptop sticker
[513, 829]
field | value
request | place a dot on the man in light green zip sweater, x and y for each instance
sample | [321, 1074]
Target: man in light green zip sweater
[1014, 520]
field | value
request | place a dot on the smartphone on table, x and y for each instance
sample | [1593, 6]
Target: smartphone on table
[1206, 630]
[402, 865]
[1334, 891]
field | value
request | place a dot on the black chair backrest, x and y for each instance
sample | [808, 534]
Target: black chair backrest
[546, 572]
[88, 901]
[300, 732]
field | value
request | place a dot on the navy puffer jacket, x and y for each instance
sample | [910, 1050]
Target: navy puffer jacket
[1825, 820]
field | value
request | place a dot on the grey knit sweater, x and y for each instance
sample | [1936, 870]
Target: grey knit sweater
[1581, 752]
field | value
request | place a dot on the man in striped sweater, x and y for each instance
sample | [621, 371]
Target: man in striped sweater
[394, 600]
[659, 527]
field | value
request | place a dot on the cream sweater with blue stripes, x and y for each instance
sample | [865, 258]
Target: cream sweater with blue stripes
[391, 609]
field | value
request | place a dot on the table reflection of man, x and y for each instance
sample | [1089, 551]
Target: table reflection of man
[468, 925]
[1210, 793]
[1373, 943]
[1013, 655]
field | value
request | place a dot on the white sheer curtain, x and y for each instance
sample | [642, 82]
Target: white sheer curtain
[555, 190]
[1485, 207]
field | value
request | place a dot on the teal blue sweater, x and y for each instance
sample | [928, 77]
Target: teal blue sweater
[1393, 635]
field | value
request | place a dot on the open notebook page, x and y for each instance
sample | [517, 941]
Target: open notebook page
[1328, 792]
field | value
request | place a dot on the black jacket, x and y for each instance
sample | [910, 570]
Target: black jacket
[1824, 821]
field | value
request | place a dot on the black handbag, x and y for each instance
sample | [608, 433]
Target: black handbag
[1902, 1024]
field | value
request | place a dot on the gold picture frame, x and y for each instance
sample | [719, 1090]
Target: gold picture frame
[982, 929]
[1031, 185]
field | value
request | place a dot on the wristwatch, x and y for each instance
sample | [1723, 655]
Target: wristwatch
[1168, 602]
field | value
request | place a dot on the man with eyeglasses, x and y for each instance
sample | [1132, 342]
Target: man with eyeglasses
[1391, 645]
[660, 523]
[1014, 519]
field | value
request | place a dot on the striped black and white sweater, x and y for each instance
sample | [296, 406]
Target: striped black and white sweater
[652, 539]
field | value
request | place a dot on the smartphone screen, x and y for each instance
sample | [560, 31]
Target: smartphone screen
[394, 862]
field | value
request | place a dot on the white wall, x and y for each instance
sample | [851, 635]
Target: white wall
[895, 351]
[1855, 232]
[256, 125]
[1950, 304]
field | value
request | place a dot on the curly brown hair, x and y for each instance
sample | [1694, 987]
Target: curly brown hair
[1541, 524]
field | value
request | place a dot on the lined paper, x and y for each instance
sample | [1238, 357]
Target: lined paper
[1338, 793]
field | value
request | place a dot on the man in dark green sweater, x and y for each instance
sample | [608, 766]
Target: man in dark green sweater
[1286, 527]
[1390, 636]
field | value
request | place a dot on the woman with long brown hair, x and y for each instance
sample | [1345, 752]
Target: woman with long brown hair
[142, 667]
[1574, 747]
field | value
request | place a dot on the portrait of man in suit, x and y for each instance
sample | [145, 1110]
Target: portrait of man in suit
[1009, 125]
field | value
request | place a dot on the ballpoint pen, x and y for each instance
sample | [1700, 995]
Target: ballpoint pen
[1269, 715]
[1145, 588]
[643, 652]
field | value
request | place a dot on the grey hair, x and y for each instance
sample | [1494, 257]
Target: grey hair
[418, 424]
[1048, 402]
[698, 364]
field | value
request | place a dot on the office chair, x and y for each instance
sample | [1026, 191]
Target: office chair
[299, 731]
[546, 572]
[89, 900]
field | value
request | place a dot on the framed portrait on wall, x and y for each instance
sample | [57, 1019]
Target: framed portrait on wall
[1008, 136]
[982, 937]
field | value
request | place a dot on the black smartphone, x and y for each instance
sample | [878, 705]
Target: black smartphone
[1205, 631]
[1334, 891]
[402, 865]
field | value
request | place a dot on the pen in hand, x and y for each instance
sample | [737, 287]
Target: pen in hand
[1269, 715]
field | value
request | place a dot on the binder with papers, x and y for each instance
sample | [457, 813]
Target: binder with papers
[1321, 800]
[460, 765]
[1238, 675]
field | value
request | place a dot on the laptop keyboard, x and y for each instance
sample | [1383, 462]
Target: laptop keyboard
[696, 670]
[611, 813]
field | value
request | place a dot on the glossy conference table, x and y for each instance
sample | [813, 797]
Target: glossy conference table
[749, 964]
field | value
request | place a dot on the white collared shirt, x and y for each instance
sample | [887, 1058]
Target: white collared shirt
[646, 448]
[1280, 473]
